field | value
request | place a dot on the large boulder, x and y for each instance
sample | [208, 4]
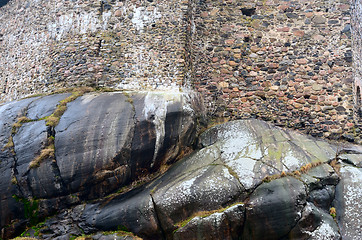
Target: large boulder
[102, 142]
[274, 209]
[248, 179]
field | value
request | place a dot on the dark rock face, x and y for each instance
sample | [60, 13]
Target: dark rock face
[93, 141]
[10, 209]
[223, 225]
[102, 142]
[274, 209]
[248, 180]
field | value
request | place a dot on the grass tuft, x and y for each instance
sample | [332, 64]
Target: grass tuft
[296, 173]
[333, 212]
[54, 118]
[203, 214]
[47, 152]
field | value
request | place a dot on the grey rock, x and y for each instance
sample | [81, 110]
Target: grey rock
[41, 182]
[205, 189]
[318, 19]
[348, 202]
[274, 208]
[322, 198]
[234, 165]
[45, 106]
[92, 143]
[103, 142]
[227, 224]
[315, 224]
[9, 207]
[133, 211]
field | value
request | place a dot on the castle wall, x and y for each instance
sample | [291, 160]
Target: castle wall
[289, 62]
[284, 61]
[48, 45]
[356, 14]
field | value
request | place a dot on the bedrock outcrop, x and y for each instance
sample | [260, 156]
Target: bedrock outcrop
[101, 143]
[246, 180]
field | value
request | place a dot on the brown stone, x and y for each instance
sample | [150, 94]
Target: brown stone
[309, 14]
[283, 29]
[229, 41]
[302, 61]
[224, 71]
[273, 65]
[298, 33]
[118, 13]
[233, 64]
[204, 14]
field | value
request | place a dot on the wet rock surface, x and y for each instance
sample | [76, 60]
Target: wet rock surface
[103, 142]
[248, 179]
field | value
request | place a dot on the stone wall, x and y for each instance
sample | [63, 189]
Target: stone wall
[47, 45]
[289, 62]
[284, 61]
[356, 14]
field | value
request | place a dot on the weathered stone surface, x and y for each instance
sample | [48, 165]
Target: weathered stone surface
[134, 211]
[9, 208]
[254, 149]
[41, 182]
[45, 106]
[315, 224]
[274, 208]
[205, 189]
[92, 143]
[348, 202]
[221, 225]
[196, 197]
[103, 142]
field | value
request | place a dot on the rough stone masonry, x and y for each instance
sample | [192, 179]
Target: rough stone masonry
[289, 62]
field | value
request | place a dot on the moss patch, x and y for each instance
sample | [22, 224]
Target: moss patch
[14, 129]
[203, 214]
[54, 118]
[296, 173]
[30, 208]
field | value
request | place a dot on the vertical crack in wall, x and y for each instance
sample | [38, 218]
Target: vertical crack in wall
[99, 46]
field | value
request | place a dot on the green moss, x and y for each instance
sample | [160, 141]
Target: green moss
[30, 209]
[333, 212]
[122, 232]
[276, 153]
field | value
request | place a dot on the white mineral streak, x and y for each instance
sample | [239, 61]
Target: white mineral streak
[73, 23]
[244, 168]
[156, 109]
[352, 217]
[212, 188]
[181, 192]
[291, 161]
[323, 232]
[238, 151]
[143, 17]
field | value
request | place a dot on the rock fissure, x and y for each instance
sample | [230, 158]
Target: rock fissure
[14, 177]
[157, 214]
[233, 173]
[296, 223]
[59, 182]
